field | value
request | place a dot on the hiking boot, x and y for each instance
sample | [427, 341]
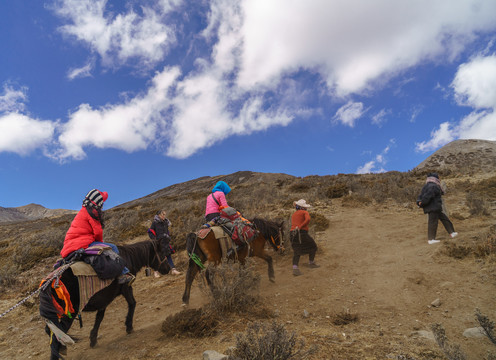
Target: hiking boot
[297, 272]
[453, 234]
[313, 266]
[127, 278]
[156, 274]
[175, 272]
[430, 242]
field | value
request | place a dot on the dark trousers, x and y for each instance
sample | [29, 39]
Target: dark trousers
[211, 216]
[434, 217]
[296, 258]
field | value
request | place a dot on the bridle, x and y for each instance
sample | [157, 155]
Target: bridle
[277, 238]
[160, 261]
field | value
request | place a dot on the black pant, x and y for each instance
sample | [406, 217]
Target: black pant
[433, 221]
[211, 216]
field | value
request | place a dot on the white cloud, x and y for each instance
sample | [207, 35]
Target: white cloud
[122, 37]
[12, 99]
[130, 126]
[349, 113]
[353, 44]
[380, 118]
[475, 86]
[81, 72]
[439, 137]
[475, 83]
[376, 165]
[21, 135]
[258, 44]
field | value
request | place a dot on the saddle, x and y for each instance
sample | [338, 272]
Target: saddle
[222, 236]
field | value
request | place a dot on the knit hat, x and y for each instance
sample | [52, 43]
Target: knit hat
[95, 197]
[221, 186]
[301, 203]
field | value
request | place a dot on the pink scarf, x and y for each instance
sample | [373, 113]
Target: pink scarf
[433, 179]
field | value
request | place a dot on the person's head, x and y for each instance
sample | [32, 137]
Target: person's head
[162, 214]
[301, 204]
[433, 174]
[221, 186]
[95, 198]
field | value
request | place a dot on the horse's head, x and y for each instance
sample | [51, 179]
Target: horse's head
[272, 231]
[159, 257]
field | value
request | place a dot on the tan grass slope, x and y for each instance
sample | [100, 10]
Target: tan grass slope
[469, 156]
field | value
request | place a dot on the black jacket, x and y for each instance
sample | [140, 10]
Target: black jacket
[430, 198]
[160, 230]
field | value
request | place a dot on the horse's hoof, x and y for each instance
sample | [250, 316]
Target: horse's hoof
[272, 280]
[130, 331]
[184, 304]
[92, 344]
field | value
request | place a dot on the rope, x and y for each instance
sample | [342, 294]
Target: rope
[56, 274]
[195, 257]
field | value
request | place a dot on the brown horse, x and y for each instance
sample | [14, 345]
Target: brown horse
[208, 249]
[136, 256]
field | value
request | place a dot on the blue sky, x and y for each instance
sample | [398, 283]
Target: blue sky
[134, 96]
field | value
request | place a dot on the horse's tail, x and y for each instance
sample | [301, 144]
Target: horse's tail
[191, 243]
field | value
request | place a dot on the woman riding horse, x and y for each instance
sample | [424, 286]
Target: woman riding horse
[208, 249]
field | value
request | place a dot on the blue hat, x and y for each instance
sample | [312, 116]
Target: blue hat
[221, 186]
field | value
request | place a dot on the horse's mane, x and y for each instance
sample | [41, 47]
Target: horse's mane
[133, 254]
[267, 228]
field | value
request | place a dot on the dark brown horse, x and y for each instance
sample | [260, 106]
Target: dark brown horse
[208, 249]
[146, 253]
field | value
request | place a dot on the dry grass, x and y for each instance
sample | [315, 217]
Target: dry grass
[344, 318]
[262, 341]
[191, 323]
[451, 351]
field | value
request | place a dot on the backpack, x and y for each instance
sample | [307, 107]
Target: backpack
[229, 213]
[107, 265]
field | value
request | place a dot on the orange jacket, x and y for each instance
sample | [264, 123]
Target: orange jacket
[300, 219]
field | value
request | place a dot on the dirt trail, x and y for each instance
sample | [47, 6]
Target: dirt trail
[375, 263]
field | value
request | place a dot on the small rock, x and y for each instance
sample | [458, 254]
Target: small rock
[305, 313]
[425, 334]
[476, 332]
[436, 303]
[213, 355]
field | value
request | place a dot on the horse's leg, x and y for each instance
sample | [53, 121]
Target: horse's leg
[127, 292]
[190, 276]
[210, 283]
[94, 332]
[268, 259]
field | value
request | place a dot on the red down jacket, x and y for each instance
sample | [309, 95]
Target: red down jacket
[83, 231]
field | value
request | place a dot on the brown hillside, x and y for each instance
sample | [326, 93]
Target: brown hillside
[463, 156]
[375, 264]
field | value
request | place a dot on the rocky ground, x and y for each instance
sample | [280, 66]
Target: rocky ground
[375, 264]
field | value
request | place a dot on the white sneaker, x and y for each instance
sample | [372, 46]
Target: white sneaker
[453, 234]
[430, 242]
[175, 272]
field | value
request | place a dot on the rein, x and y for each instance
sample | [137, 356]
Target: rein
[160, 262]
[56, 274]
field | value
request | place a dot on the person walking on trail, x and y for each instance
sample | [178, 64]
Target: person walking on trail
[87, 229]
[159, 230]
[216, 200]
[301, 242]
[430, 200]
